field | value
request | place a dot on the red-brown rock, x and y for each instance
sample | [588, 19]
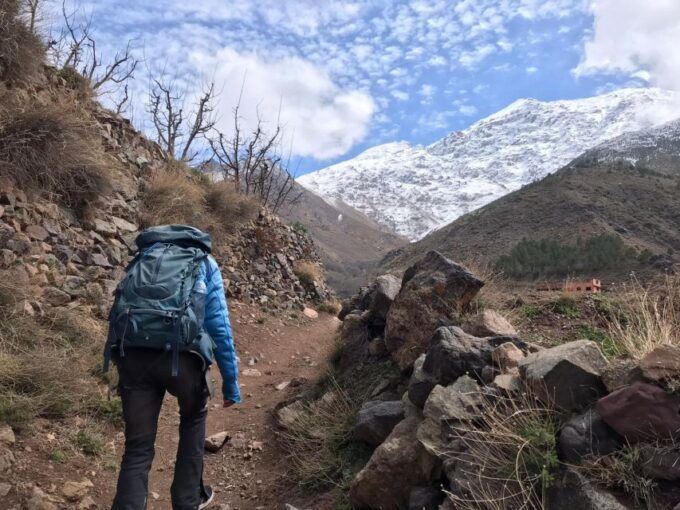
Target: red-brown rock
[662, 363]
[641, 411]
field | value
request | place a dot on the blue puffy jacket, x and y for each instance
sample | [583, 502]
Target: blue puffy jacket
[217, 325]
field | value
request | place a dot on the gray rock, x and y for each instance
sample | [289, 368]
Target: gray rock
[6, 459]
[355, 337]
[567, 375]
[661, 463]
[434, 292]
[573, 491]
[453, 353]
[74, 285]
[490, 323]
[55, 297]
[586, 434]
[396, 466]
[377, 419]
[508, 383]
[384, 292]
[5, 488]
[421, 383]
[425, 498]
[215, 442]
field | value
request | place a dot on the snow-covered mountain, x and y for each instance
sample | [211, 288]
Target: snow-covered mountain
[414, 189]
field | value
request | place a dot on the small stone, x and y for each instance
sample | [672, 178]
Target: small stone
[123, 225]
[661, 364]
[214, 443]
[507, 356]
[7, 435]
[37, 233]
[87, 504]
[40, 501]
[56, 297]
[104, 227]
[251, 372]
[282, 385]
[6, 459]
[490, 323]
[99, 259]
[155, 495]
[310, 313]
[75, 491]
[4, 489]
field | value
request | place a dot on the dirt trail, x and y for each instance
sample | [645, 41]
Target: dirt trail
[248, 473]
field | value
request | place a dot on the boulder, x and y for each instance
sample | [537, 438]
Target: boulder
[507, 383]
[507, 357]
[567, 375]
[384, 292]
[7, 435]
[661, 364]
[445, 409]
[661, 463]
[377, 419]
[425, 498]
[355, 337]
[434, 292]
[421, 383]
[396, 466]
[490, 323]
[641, 411]
[37, 233]
[586, 434]
[573, 491]
[74, 491]
[453, 353]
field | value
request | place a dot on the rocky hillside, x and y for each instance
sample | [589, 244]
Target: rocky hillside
[414, 190]
[473, 416]
[627, 187]
[349, 243]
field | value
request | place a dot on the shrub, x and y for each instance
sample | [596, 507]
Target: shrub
[509, 458]
[21, 52]
[173, 197]
[54, 149]
[566, 306]
[230, 207]
[90, 442]
[531, 311]
[650, 318]
[332, 307]
[308, 272]
[608, 347]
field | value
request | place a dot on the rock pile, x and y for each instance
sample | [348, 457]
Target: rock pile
[66, 259]
[455, 378]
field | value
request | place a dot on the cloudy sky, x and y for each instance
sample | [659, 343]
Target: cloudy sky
[347, 75]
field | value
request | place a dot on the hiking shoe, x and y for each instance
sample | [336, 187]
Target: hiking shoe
[207, 495]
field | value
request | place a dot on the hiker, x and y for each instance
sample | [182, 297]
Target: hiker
[168, 319]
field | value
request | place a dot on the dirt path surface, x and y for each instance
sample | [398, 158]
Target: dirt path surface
[249, 471]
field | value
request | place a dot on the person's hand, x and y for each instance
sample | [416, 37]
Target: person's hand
[228, 403]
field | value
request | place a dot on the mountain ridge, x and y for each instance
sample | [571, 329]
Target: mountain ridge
[413, 190]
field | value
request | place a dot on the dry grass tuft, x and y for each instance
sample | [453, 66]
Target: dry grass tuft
[508, 458]
[230, 207]
[332, 307]
[22, 54]
[54, 149]
[308, 272]
[648, 317]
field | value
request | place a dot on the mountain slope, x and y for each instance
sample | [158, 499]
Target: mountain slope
[414, 190]
[629, 186]
[350, 243]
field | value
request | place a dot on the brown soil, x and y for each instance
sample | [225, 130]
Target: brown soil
[250, 470]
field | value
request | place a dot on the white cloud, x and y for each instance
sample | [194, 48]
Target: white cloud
[531, 70]
[470, 59]
[634, 37]
[437, 61]
[468, 110]
[400, 95]
[319, 118]
[427, 90]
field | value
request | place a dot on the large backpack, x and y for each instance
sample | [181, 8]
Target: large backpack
[159, 304]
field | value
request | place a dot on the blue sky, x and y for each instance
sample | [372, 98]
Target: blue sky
[347, 75]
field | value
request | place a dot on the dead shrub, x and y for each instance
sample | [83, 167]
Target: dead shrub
[231, 208]
[648, 317]
[308, 272]
[508, 458]
[22, 54]
[172, 196]
[54, 149]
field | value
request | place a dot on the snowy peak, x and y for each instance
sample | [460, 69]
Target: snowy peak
[414, 190]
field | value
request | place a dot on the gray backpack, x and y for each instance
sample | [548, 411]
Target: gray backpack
[159, 304]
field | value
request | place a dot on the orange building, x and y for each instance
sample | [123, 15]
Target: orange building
[594, 285]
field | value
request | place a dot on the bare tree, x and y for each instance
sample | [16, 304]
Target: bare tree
[75, 46]
[253, 162]
[176, 129]
[32, 10]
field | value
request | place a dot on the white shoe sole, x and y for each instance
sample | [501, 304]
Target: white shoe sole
[206, 503]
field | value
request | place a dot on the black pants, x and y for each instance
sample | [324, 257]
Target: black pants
[144, 378]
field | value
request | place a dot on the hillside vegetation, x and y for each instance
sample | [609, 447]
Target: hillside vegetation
[638, 204]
